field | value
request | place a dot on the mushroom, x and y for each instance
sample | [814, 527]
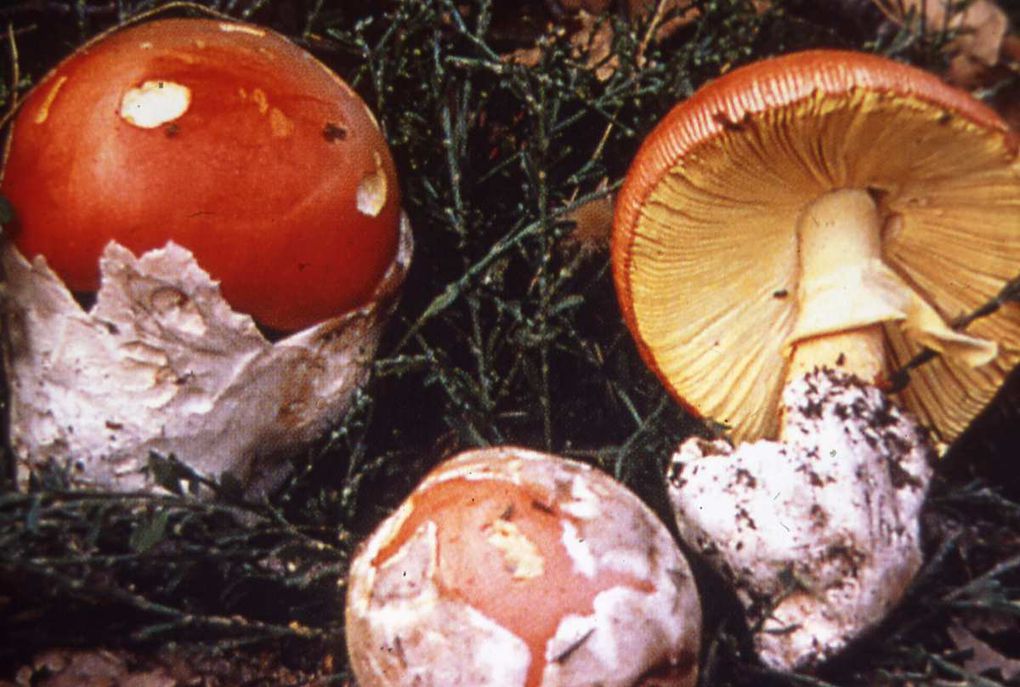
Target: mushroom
[511, 568]
[785, 238]
[224, 138]
[252, 183]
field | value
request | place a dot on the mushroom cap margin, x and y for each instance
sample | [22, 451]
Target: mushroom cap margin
[733, 111]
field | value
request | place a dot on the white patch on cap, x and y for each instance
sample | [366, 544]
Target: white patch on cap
[44, 110]
[371, 195]
[584, 503]
[582, 630]
[578, 550]
[519, 552]
[154, 103]
[629, 562]
[393, 527]
[242, 28]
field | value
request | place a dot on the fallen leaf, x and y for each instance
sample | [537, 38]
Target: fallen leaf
[593, 43]
[172, 667]
[670, 17]
[988, 622]
[593, 225]
[981, 27]
[590, 6]
[983, 657]
[526, 57]
[590, 31]
[81, 669]
[155, 678]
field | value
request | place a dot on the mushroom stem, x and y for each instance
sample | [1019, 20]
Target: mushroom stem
[846, 292]
[839, 236]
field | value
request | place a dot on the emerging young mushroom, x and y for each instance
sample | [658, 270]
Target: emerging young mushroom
[237, 163]
[224, 138]
[511, 568]
[785, 238]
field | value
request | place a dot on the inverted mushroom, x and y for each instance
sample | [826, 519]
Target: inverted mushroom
[511, 568]
[195, 175]
[811, 223]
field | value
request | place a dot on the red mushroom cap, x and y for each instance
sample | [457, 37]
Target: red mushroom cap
[222, 137]
[508, 566]
[500, 548]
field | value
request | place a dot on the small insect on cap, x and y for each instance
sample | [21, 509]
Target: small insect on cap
[815, 194]
[222, 137]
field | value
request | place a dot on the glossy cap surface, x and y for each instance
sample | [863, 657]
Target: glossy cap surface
[222, 137]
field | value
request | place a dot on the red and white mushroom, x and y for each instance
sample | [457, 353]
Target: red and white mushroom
[785, 238]
[511, 568]
[251, 182]
[224, 138]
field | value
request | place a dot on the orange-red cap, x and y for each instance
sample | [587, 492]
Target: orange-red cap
[223, 137]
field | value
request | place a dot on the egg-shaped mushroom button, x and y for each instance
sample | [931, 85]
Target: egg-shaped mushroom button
[194, 177]
[511, 568]
[788, 236]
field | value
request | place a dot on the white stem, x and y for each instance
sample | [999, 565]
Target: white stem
[846, 292]
[838, 233]
[839, 236]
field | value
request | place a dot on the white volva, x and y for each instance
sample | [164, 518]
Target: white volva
[823, 526]
[162, 364]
